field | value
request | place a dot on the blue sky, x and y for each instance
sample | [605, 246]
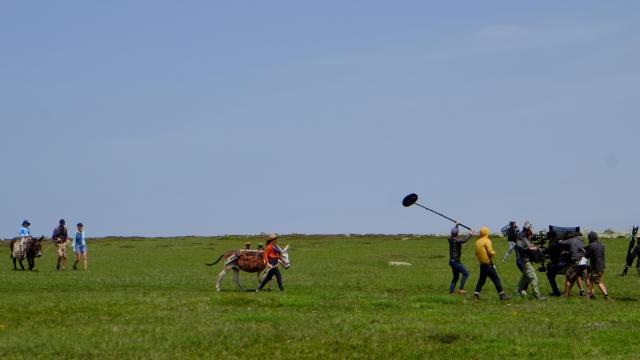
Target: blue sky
[210, 117]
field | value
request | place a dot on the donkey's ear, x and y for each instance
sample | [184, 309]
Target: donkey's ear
[286, 247]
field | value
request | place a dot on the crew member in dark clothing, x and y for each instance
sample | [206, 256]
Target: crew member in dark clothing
[595, 253]
[60, 237]
[457, 268]
[512, 237]
[557, 262]
[577, 263]
[632, 253]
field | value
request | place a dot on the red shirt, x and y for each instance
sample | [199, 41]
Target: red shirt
[270, 253]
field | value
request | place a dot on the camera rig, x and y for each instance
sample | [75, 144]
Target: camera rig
[541, 241]
[540, 256]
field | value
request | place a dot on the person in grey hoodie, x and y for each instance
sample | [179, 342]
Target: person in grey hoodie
[595, 253]
[577, 268]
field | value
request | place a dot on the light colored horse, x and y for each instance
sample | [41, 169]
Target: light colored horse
[249, 261]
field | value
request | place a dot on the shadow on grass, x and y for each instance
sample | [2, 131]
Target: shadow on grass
[444, 338]
[239, 291]
[436, 256]
[625, 299]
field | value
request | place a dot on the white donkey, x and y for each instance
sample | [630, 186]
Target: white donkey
[249, 261]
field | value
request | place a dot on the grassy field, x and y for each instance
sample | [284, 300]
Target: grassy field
[154, 298]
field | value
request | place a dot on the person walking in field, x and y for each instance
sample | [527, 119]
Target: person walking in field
[60, 237]
[80, 247]
[518, 250]
[557, 262]
[485, 254]
[270, 256]
[455, 251]
[577, 268]
[512, 237]
[529, 275]
[595, 254]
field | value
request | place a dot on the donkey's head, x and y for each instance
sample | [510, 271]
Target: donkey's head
[36, 246]
[284, 257]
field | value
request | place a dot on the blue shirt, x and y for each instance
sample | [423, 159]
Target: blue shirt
[24, 231]
[80, 239]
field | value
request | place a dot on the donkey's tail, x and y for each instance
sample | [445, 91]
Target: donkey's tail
[215, 262]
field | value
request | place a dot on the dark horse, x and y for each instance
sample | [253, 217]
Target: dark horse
[32, 250]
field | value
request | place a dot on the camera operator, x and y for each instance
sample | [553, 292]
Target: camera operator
[577, 269]
[558, 262]
[527, 250]
[518, 249]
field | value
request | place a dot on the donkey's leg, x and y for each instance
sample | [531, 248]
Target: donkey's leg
[268, 285]
[220, 277]
[236, 277]
[20, 261]
[15, 267]
[32, 263]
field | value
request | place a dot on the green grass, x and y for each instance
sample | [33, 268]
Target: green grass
[154, 298]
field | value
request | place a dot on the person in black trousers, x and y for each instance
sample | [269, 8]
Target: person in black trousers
[457, 268]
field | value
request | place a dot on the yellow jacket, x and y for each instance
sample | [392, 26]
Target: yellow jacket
[484, 249]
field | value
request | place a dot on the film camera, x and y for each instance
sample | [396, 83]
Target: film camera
[541, 241]
[541, 255]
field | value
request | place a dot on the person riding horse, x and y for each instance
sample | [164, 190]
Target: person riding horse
[25, 234]
[25, 247]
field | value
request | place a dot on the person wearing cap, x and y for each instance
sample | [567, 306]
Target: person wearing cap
[24, 231]
[455, 251]
[595, 254]
[59, 237]
[25, 235]
[512, 238]
[271, 256]
[485, 255]
[80, 246]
